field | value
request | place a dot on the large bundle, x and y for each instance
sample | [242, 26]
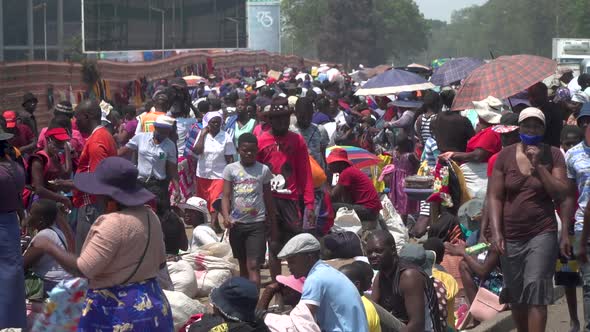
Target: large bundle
[183, 278]
[213, 264]
[183, 307]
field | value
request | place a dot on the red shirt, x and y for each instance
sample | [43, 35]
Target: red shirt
[287, 156]
[23, 135]
[361, 188]
[486, 139]
[99, 145]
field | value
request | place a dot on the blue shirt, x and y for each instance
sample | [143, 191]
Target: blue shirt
[577, 160]
[152, 157]
[339, 305]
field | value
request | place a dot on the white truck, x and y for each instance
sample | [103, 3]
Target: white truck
[572, 53]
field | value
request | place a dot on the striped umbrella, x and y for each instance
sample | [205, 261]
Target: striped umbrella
[502, 78]
[394, 81]
[454, 70]
[359, 157]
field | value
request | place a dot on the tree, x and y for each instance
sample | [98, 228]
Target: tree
[401, 31]
[302, 24]
[346, 33]
[505, 27]
[351, 32]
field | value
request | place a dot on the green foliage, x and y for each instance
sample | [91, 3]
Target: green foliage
[73, 51]
[352, 32]
[504, 27]
[90, 74]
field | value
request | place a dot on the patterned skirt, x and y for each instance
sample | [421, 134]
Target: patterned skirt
[186, 180]
[138, 306]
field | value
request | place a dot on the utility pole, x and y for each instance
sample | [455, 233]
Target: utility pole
[161, 11]
[237, 22]
[44, 6]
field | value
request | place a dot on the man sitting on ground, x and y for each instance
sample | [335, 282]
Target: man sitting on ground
[328, 294]
[401, 287]
[354, 189]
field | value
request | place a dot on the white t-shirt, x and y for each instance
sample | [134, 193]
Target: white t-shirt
[212, 160]
[203, 235]
[46, 267]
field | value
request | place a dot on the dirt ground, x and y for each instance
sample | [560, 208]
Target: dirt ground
[558, 319]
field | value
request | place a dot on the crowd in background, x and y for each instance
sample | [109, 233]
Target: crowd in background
[106, 192]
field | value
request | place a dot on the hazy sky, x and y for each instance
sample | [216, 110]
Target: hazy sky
[442, 9]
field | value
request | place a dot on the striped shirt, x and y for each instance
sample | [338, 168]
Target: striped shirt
[425, 130]
[431, 152]
[577, 160]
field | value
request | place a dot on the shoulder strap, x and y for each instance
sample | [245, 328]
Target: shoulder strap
[144, 252]
[59, 237]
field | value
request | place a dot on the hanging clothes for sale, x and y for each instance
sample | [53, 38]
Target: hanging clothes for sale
[210, 67]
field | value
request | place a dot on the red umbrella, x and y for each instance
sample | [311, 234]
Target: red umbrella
[502, 78]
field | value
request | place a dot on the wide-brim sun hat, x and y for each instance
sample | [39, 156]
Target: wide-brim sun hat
[489, 109]
[292, 282]
[115, 177]
[531, 112]
[236, 299]
[338, 155]
[4, 136]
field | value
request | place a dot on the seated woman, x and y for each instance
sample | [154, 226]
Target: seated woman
[481, 270]
[196, 214]
[42, 218]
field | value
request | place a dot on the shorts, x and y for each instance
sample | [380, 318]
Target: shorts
[248, 241]
[288, 218]
[528, 268]
[209, 190]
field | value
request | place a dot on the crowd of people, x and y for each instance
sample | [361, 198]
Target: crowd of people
[483, 205]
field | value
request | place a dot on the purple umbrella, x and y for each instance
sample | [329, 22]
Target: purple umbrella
[454, 70]
[393, 81]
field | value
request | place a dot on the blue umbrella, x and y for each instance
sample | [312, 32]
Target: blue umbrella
[454, 70]
[393, 81]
